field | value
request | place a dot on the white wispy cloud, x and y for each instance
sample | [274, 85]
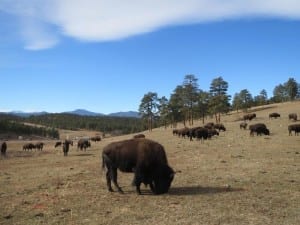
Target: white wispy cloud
[44, 22]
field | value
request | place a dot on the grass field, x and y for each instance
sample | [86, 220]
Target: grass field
[231, 179]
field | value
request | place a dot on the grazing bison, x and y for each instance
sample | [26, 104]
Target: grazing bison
[39, 146]
[192, 133]
[220, 126]
[3, 148]
[259, 129]
[139, 136]
[293, 116]
[28, 146]
[295, 128]
[274, 115]
[249, 116]
[143, 157]
[202, 134]
[83, 144]
[243, 125]
[209, 125]
[212, 132]
[183, 132]
[66, 145]
[96, 138]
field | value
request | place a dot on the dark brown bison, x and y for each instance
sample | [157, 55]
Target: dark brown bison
[183, 132]
[139, 136]
[28, 146]
[212, 132]
[220, 126]
[143, 157]
[295, 128]
[293, 116]
[83, 144]
[96, 138]
[243, 125]
[192, 133]
[39, 146]
[249, 116]
[3, 146]
[202, 134]
[274, 115]
[259, 129]
[66, 145]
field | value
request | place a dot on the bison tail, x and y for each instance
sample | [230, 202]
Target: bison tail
[105, 161]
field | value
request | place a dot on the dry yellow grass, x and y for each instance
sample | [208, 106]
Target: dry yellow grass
[231, 179]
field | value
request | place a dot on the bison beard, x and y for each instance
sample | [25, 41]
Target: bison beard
[145, 158]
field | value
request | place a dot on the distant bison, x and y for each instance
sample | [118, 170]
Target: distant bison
[295, 128]
[143, 157]
[293, 116]
[219, 126]
[39, 146]
[83, 144]
[259, 129]
[243, 125]
[249, 116]
[96, 138]
[66, 145]
[183, 132]
[139, 136]
[274, 115]
[202, 134]
[28, 146]
[3, 146]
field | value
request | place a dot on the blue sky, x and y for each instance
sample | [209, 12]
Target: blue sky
[63, 55]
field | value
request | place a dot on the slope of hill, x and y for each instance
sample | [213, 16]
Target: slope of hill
[233, 178]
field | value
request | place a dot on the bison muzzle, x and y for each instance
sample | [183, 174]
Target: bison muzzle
[143, 157]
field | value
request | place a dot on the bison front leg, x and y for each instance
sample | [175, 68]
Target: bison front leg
[137, 180]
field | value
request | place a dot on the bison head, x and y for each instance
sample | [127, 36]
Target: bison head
[163, 179]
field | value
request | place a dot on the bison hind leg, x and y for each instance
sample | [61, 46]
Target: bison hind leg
[114, 177]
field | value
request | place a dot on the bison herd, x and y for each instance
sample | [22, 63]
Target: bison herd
[147, 159]
[200, 133]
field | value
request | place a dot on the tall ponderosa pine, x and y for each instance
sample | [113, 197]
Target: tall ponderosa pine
[291, 87]
[176, 110]
[246, 99]
[202, 104]
[190, 96]
[163, 110]
[219, 102]
[280, 93]
[148, 108]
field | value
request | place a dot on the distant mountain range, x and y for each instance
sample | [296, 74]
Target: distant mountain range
[79, 112]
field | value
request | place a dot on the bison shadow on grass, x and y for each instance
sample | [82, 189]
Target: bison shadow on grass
[199, 190]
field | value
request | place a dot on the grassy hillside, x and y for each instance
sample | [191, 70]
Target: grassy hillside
[231, 179]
